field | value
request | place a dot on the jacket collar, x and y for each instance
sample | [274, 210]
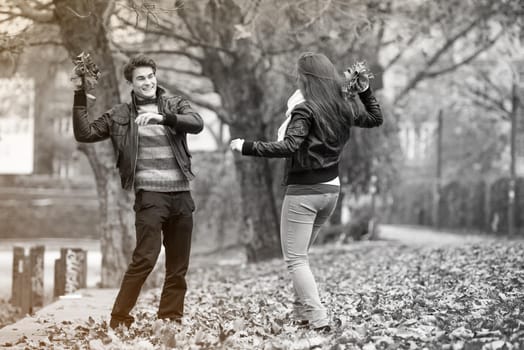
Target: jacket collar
[160, 91]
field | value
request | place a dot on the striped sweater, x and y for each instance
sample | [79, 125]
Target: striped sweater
[156, 167]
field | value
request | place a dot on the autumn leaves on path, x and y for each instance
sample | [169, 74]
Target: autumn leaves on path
[381, 295]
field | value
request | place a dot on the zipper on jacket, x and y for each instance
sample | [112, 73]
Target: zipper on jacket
[136, 149]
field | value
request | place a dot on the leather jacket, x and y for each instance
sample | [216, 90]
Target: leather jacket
[310, 157]
[119, 125]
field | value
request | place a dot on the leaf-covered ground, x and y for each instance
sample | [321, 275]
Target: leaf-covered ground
[8, 313]
[381, 295]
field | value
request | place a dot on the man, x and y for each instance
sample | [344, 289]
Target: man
[149, 138]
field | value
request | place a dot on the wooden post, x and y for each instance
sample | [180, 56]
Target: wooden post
[25, 303]
[59, 278]
[28, 279]
[18, 270]
[36, 268]
[21, 290]
[70, 271]
[76, 266]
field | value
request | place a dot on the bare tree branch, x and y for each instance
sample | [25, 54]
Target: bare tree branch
[191, 31]
[486, 100]
[438, 54]
[484, 76]
[193, 42]
[37, 15]
[252, 11]
[7, 19]
[280, 51]
[163, 51]
[106, 17]
[467, 59]
[169, 32]
[129, 53]
[182, 71]
[49, 42]
[313, 19]
[401, 52]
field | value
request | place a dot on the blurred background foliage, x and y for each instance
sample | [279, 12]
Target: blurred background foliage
[447, 75]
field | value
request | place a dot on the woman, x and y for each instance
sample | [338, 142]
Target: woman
[315, 135]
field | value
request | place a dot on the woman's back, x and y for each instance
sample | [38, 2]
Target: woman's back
[321, 86]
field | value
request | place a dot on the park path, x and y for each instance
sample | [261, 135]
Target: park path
[74, 308]
[420, 235]
[96, 303]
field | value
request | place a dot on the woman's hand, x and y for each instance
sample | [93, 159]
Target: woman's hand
[236, 145]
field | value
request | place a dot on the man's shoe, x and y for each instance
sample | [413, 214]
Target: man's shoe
[177, 320]
[300, 323]
[115, 323]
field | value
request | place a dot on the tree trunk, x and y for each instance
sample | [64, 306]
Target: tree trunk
[43, 162]
[260, 218]
[87, 33]
[242, 97]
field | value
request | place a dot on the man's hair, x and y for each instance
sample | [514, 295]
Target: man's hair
[138, 61]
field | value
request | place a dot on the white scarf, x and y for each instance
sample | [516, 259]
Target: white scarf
[294, 100]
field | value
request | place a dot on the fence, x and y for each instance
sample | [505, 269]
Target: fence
[476, 206]
[27, 291]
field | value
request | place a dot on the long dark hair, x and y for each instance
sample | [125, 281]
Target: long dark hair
[321, 86]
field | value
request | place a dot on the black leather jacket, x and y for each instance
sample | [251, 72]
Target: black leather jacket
[119, 124]
[310, 158]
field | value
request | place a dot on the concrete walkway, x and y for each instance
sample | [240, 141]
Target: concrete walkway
[420, 235]
[75, 308]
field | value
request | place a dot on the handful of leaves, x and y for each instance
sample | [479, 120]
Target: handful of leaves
[356, 79]
[88, 71]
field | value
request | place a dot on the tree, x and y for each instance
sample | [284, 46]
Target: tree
[88, 33]
[236, 45]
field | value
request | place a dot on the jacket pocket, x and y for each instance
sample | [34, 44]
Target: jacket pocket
[120, 125]
[185, 204]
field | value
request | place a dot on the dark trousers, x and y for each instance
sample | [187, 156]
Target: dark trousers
[157, 213]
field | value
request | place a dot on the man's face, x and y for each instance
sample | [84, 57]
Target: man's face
[144, 82]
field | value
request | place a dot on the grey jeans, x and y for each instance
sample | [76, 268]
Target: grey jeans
[304, 210]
